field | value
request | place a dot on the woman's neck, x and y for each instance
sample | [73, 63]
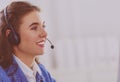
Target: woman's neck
[26, 59]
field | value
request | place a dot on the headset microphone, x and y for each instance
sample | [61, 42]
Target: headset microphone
[52, 46]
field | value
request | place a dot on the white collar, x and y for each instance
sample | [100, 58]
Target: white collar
[35, 66]
[26, 70]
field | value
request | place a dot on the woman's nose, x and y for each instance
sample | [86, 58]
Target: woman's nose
[43, 33]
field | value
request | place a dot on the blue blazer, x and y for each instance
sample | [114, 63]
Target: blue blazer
[15, 74]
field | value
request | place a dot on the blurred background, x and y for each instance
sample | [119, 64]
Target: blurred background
[85, 34]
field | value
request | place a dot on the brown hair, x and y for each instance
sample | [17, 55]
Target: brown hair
[15, 12]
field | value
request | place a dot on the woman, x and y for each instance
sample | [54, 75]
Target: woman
[22, 39]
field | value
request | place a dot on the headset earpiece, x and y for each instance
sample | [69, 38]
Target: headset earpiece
[13, 36]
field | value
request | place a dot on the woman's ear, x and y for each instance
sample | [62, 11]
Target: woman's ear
[7, 32]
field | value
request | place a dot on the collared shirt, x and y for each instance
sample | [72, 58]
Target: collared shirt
[30, 73]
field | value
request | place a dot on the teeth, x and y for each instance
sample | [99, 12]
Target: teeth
[41, 43]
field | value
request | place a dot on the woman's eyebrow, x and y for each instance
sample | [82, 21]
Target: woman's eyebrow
[35, 23]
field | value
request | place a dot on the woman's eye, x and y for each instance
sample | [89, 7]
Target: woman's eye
[34, 28]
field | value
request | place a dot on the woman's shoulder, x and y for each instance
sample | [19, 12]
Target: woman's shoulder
[46, 73]
[3, 75]
[2, 72]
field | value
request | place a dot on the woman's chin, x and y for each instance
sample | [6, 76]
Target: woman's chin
[41, 53]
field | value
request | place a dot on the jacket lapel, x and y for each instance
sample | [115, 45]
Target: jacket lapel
[45, 73]
[15, 73]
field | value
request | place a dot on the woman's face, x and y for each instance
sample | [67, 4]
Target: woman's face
[32, 35]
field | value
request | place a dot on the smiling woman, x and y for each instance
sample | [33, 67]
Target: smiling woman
[22, 39]
[32, 38]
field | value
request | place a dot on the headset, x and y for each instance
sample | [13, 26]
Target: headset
[13, 36]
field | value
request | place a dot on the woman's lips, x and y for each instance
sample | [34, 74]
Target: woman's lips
[41, 43]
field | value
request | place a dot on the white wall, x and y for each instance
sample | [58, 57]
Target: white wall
[86, 37]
